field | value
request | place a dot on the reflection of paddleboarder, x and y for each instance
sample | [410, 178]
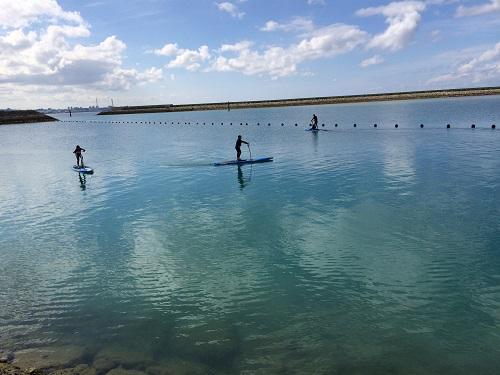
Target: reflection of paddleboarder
[241, 179]
[239, 141]
[314, 122]
[244, 180]
[78, 154]
[83, 181]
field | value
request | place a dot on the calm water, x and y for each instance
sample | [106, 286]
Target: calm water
[356, 251]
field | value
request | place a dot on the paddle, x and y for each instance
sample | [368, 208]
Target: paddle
[250, 151]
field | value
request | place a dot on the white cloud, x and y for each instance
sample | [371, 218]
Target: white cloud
[122, 79]
[37, 48]
[17, 40]
[491, 7]
[282, 61]
[441, 2]
[316, 2]
[275, 61]
[50, 61]
[230, 8]
[237, 47]
[297, 24]
[169, 49]
[150, 75]
[371, 61]
[329, 41]
[483, 69]
[402, 17]
[489, 56]
[190, 59]
[18, 14]
[270, 26]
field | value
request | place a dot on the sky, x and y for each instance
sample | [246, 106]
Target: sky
[61, 53]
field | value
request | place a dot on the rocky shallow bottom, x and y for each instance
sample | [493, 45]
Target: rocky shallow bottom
[72, 360]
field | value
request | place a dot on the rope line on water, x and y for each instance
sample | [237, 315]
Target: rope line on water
[336, 125]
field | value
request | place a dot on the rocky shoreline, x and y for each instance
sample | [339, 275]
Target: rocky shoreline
[305, 101]
[23, 117]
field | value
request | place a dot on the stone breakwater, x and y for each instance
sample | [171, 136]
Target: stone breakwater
[23, 117]
[305, 101]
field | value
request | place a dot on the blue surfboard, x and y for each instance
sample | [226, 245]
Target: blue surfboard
[316, 130]
[244, 161]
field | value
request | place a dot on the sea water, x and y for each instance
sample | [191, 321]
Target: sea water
[358, 250]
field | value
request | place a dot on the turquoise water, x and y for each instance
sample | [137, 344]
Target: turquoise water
[358, 250]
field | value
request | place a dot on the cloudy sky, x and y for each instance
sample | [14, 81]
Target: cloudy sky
[59, 53]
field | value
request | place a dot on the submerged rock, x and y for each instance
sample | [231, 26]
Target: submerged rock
[8, 369]
[6, 357]
[122, 371]
[77, 370]
[215, 344]
[178, 367]
[49, 357]
[113, 357]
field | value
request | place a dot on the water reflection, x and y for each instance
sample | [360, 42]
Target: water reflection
[243, 182]
[315, 141]
[399, 164]
[83, 181]
[179, 264]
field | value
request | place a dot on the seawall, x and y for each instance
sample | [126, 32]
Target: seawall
[412, 95]
[22, 117]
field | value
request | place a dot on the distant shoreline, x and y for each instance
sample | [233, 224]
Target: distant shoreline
[411, 95]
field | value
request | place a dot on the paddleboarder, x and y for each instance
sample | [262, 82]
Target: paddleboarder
[78, 154]
[239, 141]
[314, 122]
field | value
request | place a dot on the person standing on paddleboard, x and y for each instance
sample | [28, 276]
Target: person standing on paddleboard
[78, 153]
[239, 141]
[314, 122]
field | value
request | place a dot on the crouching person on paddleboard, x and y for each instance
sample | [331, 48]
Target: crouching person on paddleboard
[78, 153]
[239, 141]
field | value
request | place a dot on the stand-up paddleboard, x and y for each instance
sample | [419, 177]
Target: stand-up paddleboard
[315, 130]
[86, 170]
[244, 161]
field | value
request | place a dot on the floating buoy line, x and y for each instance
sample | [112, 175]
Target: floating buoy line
[282, 124]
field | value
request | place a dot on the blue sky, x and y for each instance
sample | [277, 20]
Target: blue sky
[59, 53]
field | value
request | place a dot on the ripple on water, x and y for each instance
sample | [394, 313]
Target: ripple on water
[356, 250]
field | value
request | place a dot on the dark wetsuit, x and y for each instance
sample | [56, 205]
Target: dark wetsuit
[78, 154]
[238, 147]
[314, 122]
